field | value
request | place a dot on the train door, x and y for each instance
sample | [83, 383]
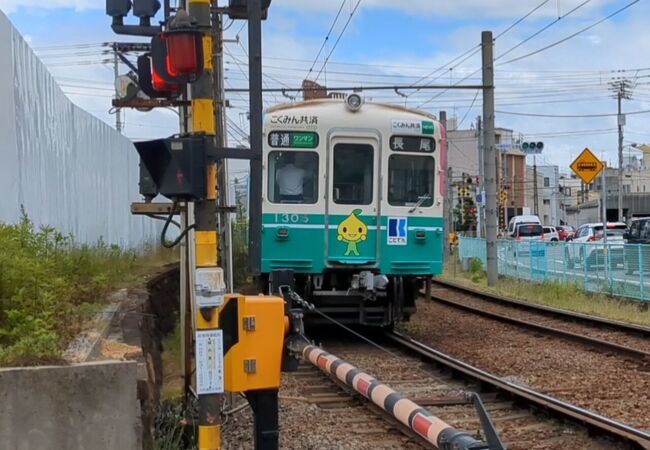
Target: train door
[352, 200]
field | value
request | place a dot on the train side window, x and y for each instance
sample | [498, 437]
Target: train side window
[411, 180]
[353, 174]
[293, 177]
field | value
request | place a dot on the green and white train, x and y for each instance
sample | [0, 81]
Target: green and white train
[353, 204]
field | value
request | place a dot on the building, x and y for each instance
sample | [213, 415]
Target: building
[464, 159]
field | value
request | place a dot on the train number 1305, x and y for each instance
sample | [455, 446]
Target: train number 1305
[291, 218]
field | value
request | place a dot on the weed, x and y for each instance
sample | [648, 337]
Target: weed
[50, 286]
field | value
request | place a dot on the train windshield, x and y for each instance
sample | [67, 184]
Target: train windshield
[293, 177]
[353, 174]
[411, 180]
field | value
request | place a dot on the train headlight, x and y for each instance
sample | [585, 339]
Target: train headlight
[354, 102]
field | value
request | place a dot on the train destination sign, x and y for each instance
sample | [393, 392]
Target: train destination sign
[293, 139]
[587, 166]
[412, 144]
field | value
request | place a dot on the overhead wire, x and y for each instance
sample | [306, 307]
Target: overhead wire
[329, 33]
[571, 36]
[541, 30]
[338, 39]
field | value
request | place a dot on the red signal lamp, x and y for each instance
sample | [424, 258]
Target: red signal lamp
[184, 52]
[159, 83]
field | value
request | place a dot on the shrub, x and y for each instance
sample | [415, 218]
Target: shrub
[50, 286]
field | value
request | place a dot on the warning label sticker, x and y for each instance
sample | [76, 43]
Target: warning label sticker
[209, 362]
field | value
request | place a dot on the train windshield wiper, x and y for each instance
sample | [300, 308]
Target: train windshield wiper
[421, 200]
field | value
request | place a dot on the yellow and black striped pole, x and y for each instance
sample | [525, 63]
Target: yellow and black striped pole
[205, 216]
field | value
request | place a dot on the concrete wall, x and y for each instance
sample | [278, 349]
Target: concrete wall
[67, 168]
[87, 406]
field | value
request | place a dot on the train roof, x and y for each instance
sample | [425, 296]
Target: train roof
[338, 105]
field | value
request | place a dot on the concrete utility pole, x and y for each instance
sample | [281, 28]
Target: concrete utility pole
[447, 203]
[621, 89]
[481, 177]
[225, 250]
[116, 71]
[490, 157]
[535, 189]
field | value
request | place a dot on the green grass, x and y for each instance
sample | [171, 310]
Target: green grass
[50, 286]
[559, 295]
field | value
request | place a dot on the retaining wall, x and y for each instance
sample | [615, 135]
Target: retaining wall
[85, 406]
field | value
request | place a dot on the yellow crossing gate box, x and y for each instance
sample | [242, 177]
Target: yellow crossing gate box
[254, 331]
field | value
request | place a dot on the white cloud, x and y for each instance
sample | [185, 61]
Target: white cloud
[11, 6]
[455, 8]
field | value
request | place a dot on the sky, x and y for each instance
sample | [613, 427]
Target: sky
[386, 42]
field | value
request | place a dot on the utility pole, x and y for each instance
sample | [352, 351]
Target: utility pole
[481, 177]
[535, 191]
[490, 157]
[116, 72]
[621, 89]
[447, 200]
[256, 138]
[225, 250]
[206, 237]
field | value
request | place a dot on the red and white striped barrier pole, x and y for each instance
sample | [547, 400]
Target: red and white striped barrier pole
[440, 434]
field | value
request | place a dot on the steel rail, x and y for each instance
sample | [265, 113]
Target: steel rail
[594, 422]
[548, 310]
[582, 339]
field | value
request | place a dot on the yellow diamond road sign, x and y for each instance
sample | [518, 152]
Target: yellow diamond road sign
[587, 166]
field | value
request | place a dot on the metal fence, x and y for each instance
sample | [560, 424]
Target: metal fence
[613, 269]
[66, 168]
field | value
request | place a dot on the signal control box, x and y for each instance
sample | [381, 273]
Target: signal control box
[254, 328]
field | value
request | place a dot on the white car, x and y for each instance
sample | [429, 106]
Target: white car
[551, 234]
[587, 245]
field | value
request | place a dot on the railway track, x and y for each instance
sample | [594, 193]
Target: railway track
[596, 424]
[611, 336]
[441, 384]
[593, 363]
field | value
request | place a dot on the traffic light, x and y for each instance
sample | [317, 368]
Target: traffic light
[532, 147]
[238, 9]
[145, 10]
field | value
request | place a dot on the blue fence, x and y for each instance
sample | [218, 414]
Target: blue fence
[613, 269]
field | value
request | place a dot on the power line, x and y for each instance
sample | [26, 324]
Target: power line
[329, 33]
[541, 30]
[571, 36]
[345, 27]
[469, 109]
[569, 116]
[530, 13]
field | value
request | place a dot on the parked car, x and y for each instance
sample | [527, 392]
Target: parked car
[519, 220]
[587, 245]
[565, 232]
[638, 255]
[524, 236]
[551, 234]
[528, 232]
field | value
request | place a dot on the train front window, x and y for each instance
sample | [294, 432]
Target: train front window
[293, 177]
[353, 174]
[411, 180]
